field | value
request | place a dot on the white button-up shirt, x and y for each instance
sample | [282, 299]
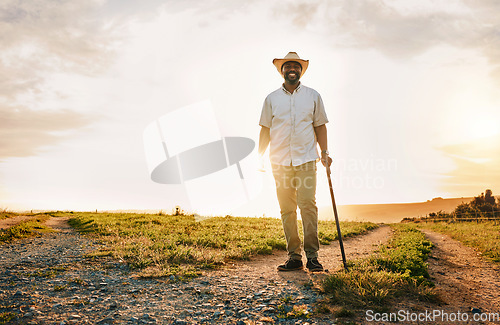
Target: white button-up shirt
[291, 119]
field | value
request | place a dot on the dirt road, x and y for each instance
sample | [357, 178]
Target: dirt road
[465, 281]
[47, 279]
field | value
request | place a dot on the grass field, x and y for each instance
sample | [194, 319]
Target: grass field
[397, 270]
[484, 236]
[157, 245]
[25, 229]
[4, 214]
[163, 245]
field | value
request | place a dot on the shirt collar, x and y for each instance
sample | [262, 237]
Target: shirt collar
[295, 91]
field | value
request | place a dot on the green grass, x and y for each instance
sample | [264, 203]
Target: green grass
[29, 228]
[484, 236]
[60, 287]
[7, 317]
[406, 253]
[328, 231]
[4, 214]
[398, 270]
[49, 272]
[163, 245]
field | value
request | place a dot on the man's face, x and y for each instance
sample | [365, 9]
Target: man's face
[291, 71]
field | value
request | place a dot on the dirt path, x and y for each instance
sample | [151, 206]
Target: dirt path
[329, 255]
[468, 287]
[60, 224]
[9, 222]
[465, 281]
[47, 280]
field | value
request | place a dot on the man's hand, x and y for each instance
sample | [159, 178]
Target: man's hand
[264, 138]
[262, 167]
[325, 159]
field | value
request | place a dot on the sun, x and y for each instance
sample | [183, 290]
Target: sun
[469, 121]
[476, 127]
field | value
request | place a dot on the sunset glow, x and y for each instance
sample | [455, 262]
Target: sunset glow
[412, 96]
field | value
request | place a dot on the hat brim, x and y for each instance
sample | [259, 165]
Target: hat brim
[278, 63]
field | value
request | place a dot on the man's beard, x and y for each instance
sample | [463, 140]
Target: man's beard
[292, 81]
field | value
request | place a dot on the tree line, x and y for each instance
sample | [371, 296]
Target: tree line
[484, 206]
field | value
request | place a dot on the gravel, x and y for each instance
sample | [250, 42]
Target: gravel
[47, 280]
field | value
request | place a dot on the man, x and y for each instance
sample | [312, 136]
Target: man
[293, 119]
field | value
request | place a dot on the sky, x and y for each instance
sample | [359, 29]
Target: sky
[411, 90]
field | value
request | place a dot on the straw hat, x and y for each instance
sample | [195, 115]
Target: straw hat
[291, 56]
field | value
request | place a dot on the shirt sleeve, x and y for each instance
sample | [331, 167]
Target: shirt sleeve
[266, 116]
[319, 116]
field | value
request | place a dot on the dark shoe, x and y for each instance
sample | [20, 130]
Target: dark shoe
[313, 265]
[291, 265]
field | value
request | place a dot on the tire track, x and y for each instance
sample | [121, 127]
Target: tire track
[464, 280]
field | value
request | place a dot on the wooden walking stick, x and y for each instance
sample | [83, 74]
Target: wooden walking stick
[328, 172]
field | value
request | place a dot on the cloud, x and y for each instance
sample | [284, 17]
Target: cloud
[38, 39]
[403, 32]
[63, 34]
[477, 166]
[308, 12]
[377, 25]
[24, 132]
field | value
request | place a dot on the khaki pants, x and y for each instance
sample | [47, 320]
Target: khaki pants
[296, 185]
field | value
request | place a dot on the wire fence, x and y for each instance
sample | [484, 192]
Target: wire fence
[461, 217]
